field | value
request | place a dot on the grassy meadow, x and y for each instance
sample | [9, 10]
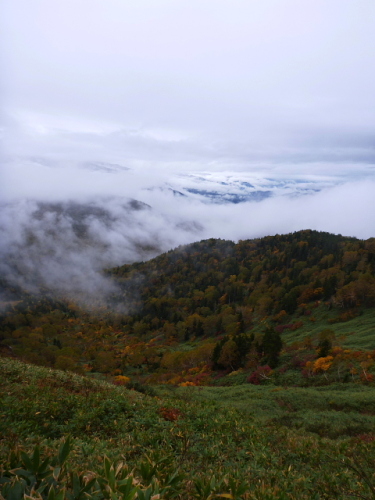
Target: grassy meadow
[67, 436]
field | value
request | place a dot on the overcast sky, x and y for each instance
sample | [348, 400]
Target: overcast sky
[196, 81]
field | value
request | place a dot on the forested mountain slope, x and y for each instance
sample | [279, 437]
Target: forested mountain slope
[211, 305]
[251, 279]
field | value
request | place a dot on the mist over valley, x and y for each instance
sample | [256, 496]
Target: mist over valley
[64, 234]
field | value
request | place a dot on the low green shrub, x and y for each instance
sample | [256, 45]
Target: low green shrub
[277, 444]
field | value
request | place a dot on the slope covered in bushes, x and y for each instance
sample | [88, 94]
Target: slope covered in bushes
[124, 444]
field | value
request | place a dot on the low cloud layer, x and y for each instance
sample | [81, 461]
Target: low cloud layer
[63, 242]
[65, 246]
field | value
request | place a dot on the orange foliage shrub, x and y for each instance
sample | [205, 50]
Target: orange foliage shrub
[323, 364]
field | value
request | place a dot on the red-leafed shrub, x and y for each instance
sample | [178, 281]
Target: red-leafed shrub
[261, 374]
[290, 326]
[170, 414]
[296, 325]
[366, 438]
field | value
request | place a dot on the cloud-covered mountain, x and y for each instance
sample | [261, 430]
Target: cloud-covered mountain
[63, 242]
[64, 246]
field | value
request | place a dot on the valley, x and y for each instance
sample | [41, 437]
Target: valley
[215, 370]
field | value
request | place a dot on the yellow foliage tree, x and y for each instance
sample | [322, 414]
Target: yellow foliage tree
[323, 364]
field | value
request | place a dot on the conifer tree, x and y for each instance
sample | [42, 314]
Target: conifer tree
[271, 347]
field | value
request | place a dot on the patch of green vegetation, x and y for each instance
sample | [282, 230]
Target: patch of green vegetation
[340, 410]
[356, 333]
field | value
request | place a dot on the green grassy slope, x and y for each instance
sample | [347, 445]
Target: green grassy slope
[356, 333]
[174, 447]
[330, 411]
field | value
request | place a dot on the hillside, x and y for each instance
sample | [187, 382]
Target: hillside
[269, 274]
[216, 307]
[216, 370]
[69, 437]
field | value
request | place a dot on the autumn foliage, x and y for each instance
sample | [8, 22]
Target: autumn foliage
[214, 295]
[170, 414]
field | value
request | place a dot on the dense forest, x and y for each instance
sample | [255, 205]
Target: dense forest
[210, 308]
[254, 277]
